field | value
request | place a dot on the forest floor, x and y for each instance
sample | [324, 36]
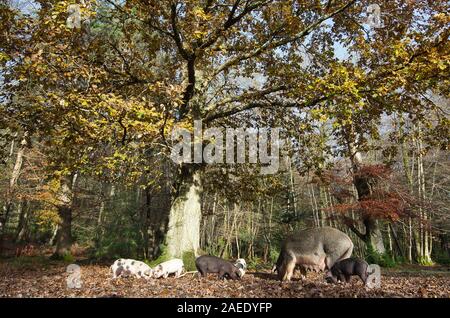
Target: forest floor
[39, 277]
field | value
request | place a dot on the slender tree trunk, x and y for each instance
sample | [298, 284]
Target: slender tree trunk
[52, 240]
[145, 216]
[105, 202]
[409, 179]
[6, 210]
[396, 241]
[291, 178]
[23, 221]
[313, 208]
[424, 226]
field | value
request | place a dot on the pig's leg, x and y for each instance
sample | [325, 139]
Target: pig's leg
[166, 275]
[303, 272]
[119, 272]
[328, 262]
[222, 274]
[347, 278]
[202, 273]
[363, 277]
[290, 267]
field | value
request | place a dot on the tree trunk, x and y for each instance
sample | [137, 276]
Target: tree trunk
[11, 188]
[372, 236]
[23, 221]
[425, 254]
[409, 179]
[183, 233]
[105, 202]
[64, 205]
[145, 211]
[64, 234]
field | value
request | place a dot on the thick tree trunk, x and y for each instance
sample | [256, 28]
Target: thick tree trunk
[183, 233]
[64, 205]
[64, 234]
[372, 236]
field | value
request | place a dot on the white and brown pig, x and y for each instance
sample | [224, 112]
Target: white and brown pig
[130, 267]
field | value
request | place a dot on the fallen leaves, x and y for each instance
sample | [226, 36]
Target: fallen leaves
[50, 281]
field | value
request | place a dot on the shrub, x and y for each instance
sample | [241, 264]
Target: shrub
[189, 261]
[442, 258]
[68, 258]
[384, 260]
[425, 261]
[161, 258]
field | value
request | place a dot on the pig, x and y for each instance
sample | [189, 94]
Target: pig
[348, 267]
[315, 249]
[130, 267]
[174, 266]
[241, 265]
[211, 264]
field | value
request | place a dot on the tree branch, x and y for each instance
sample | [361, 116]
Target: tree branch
[266, 104]
[269, 44]
[176, 33]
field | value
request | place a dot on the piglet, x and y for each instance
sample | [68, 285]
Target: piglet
[211, 264]
[344, 269]
[241, 264]
[174, 266]
[130, 267]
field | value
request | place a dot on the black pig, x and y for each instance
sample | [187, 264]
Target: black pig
[345, 268]
[211, 264]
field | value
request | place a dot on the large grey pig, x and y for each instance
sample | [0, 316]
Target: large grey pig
[314, 249]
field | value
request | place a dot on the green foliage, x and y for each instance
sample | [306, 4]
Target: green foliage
[121, 236]
[68, 258]
[256, 264]
[273, 256]
[384, 260]
[424, 261]
[164, 256]
[189, 261]
[442, 257]
[216, 248]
